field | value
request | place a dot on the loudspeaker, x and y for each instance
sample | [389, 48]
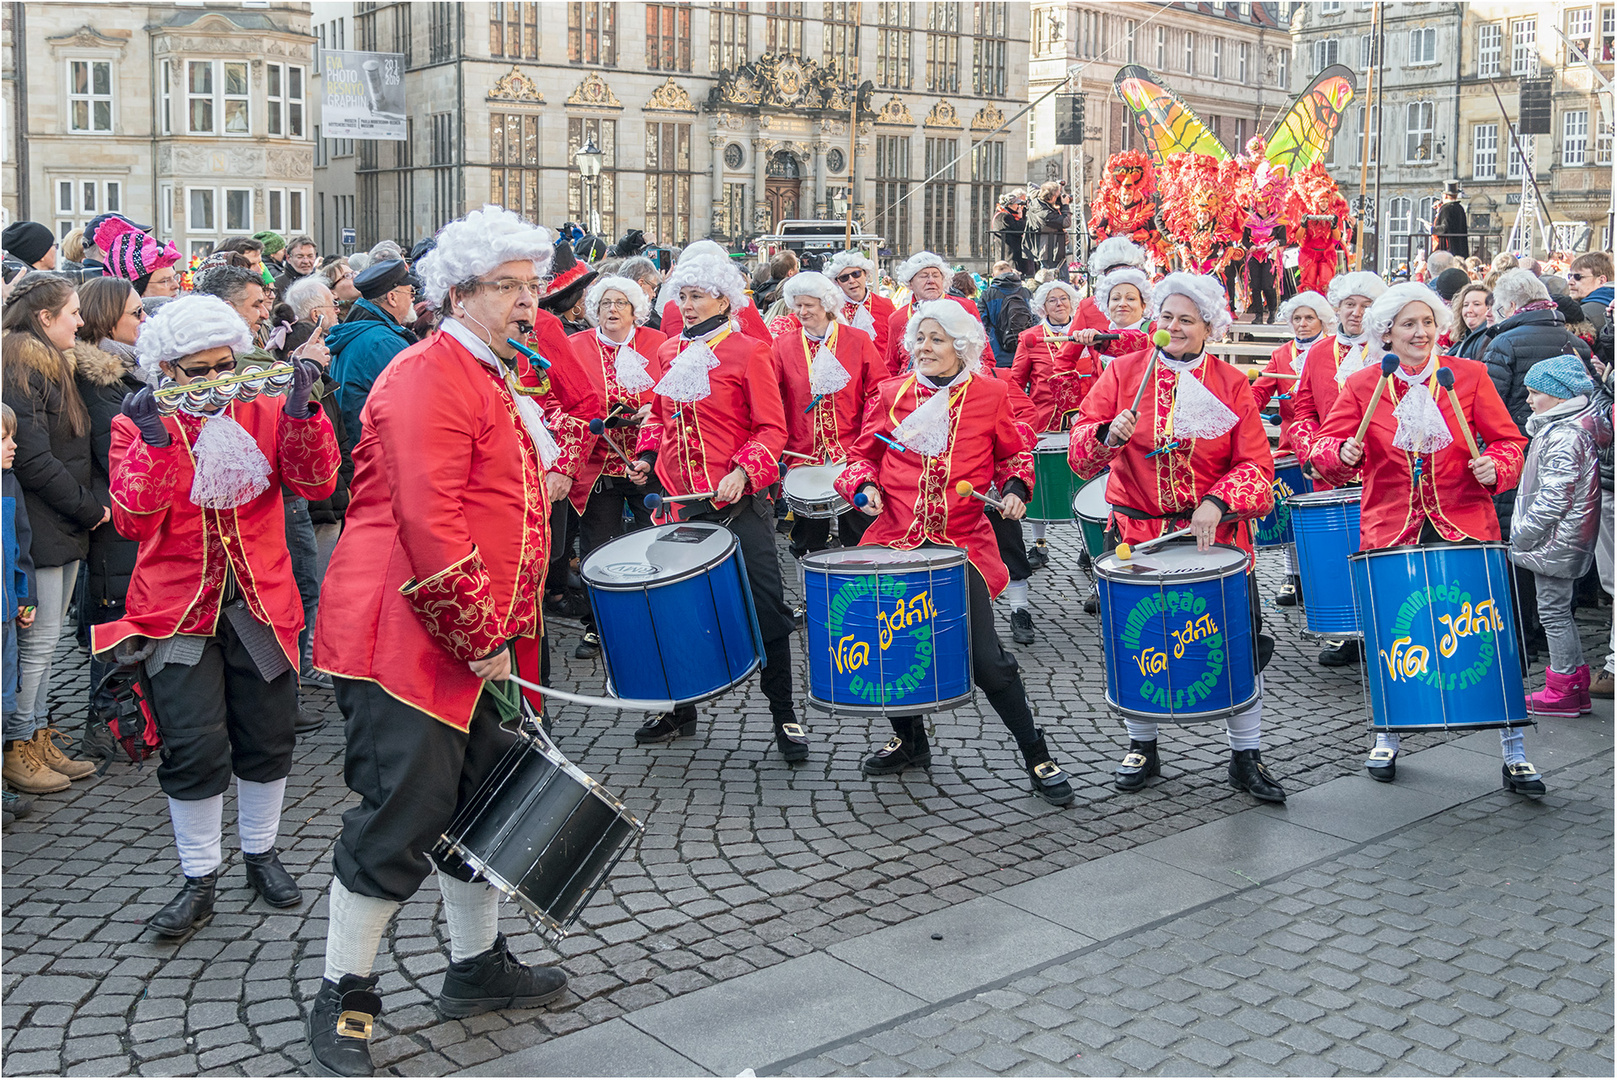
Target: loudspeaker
[1534, 118]
[1069, 119]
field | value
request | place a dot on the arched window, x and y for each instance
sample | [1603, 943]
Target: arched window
[783, 165]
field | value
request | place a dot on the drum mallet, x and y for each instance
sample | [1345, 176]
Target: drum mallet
[795, 454]
[529, 353]
[964, 489]
[1160, 339]
[1445, 379]
[598, 426]
[1125, 552]
[1389, 364]
[655, 502]
[625, 704]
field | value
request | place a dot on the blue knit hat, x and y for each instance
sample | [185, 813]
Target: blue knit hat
[1561, 376]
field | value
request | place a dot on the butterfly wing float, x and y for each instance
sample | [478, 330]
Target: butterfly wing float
[1302, 136]
[1166, 124]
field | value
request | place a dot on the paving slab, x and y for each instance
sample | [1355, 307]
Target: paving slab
[962, 947]
[1114, 895]
[1245, 848]
[611, 1049]
[1357, 808]
[1455, 774]
[748, 1022]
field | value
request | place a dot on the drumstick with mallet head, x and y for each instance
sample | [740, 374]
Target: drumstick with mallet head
[795, 454]
[1160, 339]
[655, 502]
[1389, 364]
[964, 489]
[598, 426]
[1445, 379]
[1125, 552]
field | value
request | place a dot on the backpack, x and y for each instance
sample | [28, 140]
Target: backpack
[1008, 314]
[132, 720]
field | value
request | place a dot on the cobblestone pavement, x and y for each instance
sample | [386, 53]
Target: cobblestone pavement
[1475, 943]
[746, 862]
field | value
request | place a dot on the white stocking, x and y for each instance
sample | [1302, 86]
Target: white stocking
[258, 813]
[355, 931]
[472, 910]
[198, 824]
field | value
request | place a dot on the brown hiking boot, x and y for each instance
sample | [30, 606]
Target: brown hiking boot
[26, 773]
[51, 756]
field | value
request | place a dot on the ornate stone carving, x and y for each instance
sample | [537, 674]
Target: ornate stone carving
[291, 164]
[942, 115]
[85, 37]
[895, 112]
[594, 93]
[670, 97]
[988, 118]
[515, 86]
[783, 83]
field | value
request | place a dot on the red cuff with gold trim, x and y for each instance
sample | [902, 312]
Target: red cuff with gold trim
[456, 605]
[762, 467]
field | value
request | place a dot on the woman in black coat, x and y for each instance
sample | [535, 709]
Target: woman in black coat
[1050, 216]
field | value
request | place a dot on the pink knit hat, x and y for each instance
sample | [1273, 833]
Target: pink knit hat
[131, 253]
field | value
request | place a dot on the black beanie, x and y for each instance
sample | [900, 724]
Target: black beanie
[27, 240]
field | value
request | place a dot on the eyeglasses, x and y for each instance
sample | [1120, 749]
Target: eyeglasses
[609, 304]
[507, 287]
[1578, 276]
[226, 365]
[850, 276]
[138, 312]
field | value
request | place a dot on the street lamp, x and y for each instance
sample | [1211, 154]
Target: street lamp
[588, 159]
[839, 205]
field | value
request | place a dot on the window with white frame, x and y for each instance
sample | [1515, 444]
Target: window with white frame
[1129, 26]
[165, 209]
[1330, 7]
[1242, 56]
[238, 210]
[1423, 46]
[1398, 227]
[1190, 53]
[1602, 142]
[1484, 151]
[1369, 138]
[1574, 137]
[1524, 46]
[1367, 52]
[89, 96]
[1326, 51]
[1218, 58]
[1162, 47]
[78, 200]
[1418, 129]
[1283, 68]
[199, 211]
[1608, 34]
[1580, 25]
[217, 98]
[287, 208]
[284, 97]
[1490, 44]
[1513, 171]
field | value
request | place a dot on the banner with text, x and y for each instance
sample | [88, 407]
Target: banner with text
[364, 95]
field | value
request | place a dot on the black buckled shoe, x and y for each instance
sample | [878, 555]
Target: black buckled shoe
[1521, 778]
[270, 879]
[589, 646]
[1049, 782]
[1382, 764]
[497, 980]
[1249, 773]
[1289, 596]
[664, 727]
[899, 754]
[340, 1022]
[1138, 766]
[792, 740]
[1038, 556]
[190, 909]
[1092, 605]
[1342, 654]
[1022, 627]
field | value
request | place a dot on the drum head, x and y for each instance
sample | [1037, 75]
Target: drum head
[657, 555]
[1173, 562]
[1090, 503]
[1052, 442]
[813, 481]
[1333, 497]
[875, 559]
[1289, 461]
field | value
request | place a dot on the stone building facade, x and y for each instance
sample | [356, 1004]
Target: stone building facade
[714, 119]
[191, 119]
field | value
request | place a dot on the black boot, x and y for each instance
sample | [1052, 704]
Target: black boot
[1249, 773]
[1341, 654]
[1293, 593]
[270, 880]
[1139, 765]
[908, 747]
[1049, 782]
[340, 1026]
[1022, 627]
[497, 980]
[1038, 556]
[791, 739]
[666, 727]
[190, 909]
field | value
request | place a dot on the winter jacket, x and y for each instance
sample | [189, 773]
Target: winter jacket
[103, 379]
[1474, 343]
[1007, 311]
[1050, 223]
[361, 348]
[53, 465]
[1595, 305]
[17, 589]
[1517, 344]
[1557, 517]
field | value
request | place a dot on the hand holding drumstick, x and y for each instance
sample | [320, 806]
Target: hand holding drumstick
[1485, 469]
[1352, 452]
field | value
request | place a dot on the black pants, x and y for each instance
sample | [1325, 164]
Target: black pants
[992, 668]
[412, 774]
[219, 717]
[602, 519]
[814, 534]
[1260, 280]
[1012, 549]
[754, 526]
[564, 524]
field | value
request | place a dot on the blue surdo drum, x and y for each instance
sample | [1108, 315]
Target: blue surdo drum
[674, 612]
[889, 632]
[1440, 637]
[1274, 528]
[1325, 528]
[1176, 625]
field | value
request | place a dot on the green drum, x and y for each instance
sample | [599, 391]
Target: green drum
[1054, 482]
[1092, 510]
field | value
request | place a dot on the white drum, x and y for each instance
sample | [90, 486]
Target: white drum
[810, 492]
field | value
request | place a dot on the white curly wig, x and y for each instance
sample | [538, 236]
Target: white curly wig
[669, 293]
[844, 259]
[916, 263]
[1358, 283]
[969, 336]
[478, 243]
[713, 273]
[1043, 294]
[630, 289]
[1384, 311]
[187, 326]
[822, 288]
[1116, 251]
[1314, 302]
[1204, 292]
[1123, 275]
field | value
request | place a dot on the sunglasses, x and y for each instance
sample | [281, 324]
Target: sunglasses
[220, 368]
[139, 313]
[1579, 276]
[852, 275]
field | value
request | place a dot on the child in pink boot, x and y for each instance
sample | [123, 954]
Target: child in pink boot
[1557, 517]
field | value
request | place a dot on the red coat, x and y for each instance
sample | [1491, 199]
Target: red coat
[1394, 508]
[1058, 373]
[179, 576]
[881, 314]
[598, 362]
[740, 423]
[896, 358]
[752, 323]
[1091, 317]
[443, 552]
[919, 502]
[826, 428]
[1311, 401]
[1235, 468]
[1264, 389]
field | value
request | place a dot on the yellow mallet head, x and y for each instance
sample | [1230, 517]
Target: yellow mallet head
[1160, 339]
[963, 488]
[1124, 552]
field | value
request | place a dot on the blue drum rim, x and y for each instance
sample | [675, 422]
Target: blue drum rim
[734, 546]
[1341, 496]
[1441, 545]
[920, 708]
[1188, 579]
[931, 558]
